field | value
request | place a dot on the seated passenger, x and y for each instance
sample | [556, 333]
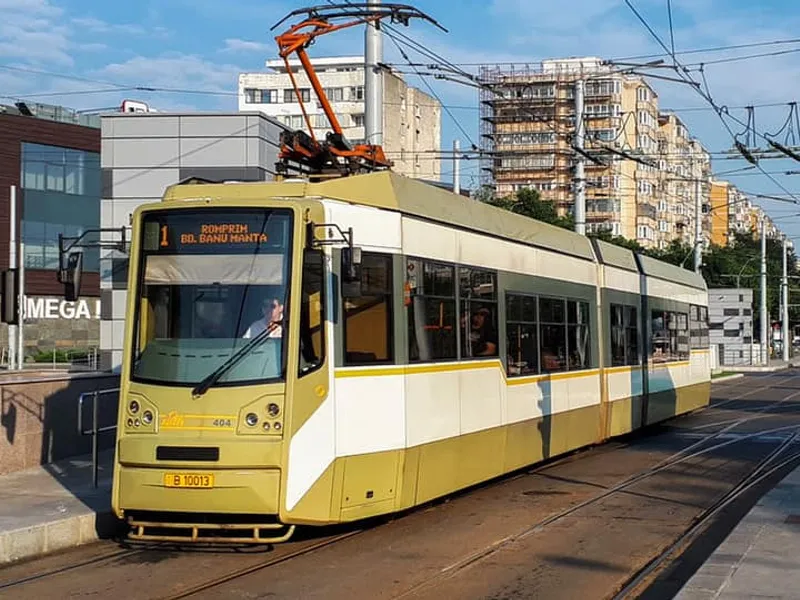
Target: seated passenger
[272, 319]
[482, 337]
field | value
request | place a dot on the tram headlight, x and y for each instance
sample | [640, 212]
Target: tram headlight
[133, 406]
[266, 426]
[273, 409]
[147, 417]
[277, 426]
[251, 419]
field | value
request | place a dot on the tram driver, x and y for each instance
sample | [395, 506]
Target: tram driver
[272, 318]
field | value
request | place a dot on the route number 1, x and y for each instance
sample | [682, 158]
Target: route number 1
[164, 241]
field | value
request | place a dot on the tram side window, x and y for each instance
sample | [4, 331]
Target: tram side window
[698, 326]
[670, 336]
[578, 335]
[478, 312]
[312, 313]
[624, 335]
[522, 346]
[368, 314]
[431, 309]
[553, 331]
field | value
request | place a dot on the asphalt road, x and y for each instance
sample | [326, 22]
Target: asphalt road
[579, 527]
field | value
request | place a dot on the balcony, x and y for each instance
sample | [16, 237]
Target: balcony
[646, 211]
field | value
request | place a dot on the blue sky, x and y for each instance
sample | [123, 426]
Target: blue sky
[201, 45]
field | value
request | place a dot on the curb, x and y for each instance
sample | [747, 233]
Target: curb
[38, 540]
[727, 378]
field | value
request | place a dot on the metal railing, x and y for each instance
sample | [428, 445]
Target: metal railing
[95, 431]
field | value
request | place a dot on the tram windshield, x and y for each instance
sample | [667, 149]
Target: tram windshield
[211, 282]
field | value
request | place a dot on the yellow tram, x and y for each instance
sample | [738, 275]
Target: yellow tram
[310, 353]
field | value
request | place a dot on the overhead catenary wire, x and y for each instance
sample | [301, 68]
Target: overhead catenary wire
[683, 73]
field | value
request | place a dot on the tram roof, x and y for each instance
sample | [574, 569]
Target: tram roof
[391, 191]
[388, 190]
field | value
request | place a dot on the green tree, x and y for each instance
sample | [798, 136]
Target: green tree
[741, 259]
[528, 202]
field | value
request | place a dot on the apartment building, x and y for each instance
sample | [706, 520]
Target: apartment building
[757, 217]
[527, 122]
[411, 118]
[684, 169]
[731, 212]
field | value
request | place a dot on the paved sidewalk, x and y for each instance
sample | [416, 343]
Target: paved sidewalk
[54, 506]
[760, 558]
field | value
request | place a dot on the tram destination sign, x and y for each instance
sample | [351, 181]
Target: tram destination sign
[215, 233]
[193, 231]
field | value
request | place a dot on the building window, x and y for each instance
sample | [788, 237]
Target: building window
[358, 120]
[61, 195]
[431, 309]
[698, 327]
[335, 94]
[290, 96]
[522, 347]
[730, 312]
[368, 313]
[357, 93]
[478, 312]
[257, 96]
[670, 336]
[312, 313]
[624, 335]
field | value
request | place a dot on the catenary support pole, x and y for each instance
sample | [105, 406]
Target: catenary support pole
[12, 263]
[579, 183]
[21, 301]
[456, 167]
[698, 224]
[373, 82]
[764, 324]
[785, 302]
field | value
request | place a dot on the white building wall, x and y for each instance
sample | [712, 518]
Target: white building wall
[411, 118]
[144, 153]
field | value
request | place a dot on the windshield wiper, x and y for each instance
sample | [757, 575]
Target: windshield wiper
[202, 387]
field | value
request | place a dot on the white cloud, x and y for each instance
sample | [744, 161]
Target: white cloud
[98, 26]
[31, 30]
[234, 45]
[207, 84]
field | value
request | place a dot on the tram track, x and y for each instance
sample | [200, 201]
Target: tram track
[647, 574]
[672, 461]
[284, 553]
[276, 560]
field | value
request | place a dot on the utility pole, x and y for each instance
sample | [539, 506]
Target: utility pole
[579, 211]
[373, 82]
[764, 340]
[12, 264]
[698, 223]
[785, 302]
[456, 167]
[21, 301]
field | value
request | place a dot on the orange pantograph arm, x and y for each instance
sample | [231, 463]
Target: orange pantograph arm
[296, 41]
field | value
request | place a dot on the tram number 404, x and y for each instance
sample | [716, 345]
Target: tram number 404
[189, 480]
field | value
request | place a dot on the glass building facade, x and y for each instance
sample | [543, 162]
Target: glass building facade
[61, 195]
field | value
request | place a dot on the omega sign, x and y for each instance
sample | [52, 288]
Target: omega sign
[55, 308]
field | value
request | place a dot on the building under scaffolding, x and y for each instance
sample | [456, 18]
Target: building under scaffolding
[527, 125]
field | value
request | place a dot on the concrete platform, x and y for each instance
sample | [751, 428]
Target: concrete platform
[54, 506]
[760, 558]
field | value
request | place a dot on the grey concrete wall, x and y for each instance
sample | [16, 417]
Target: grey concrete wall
[39, 417]
[730, 320]
[144, 153]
